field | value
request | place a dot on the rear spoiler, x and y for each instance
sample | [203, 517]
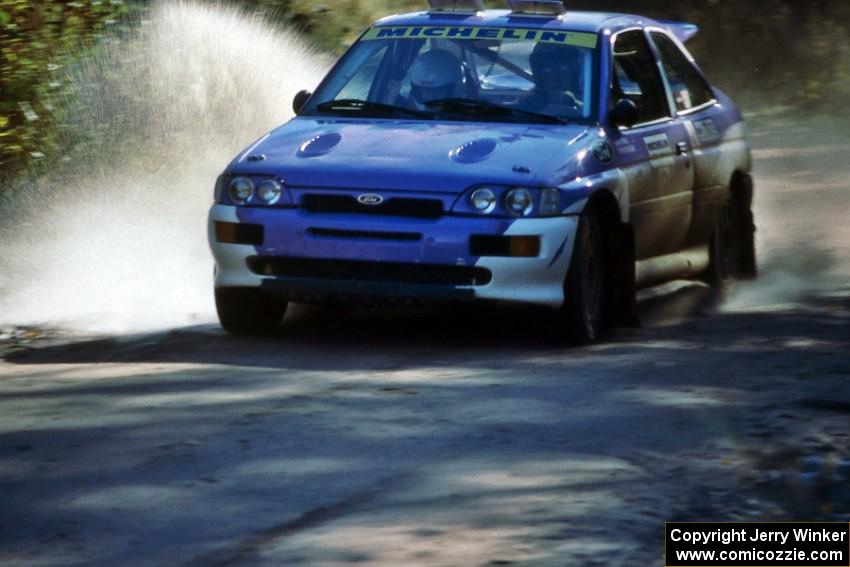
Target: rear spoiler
[682, 30]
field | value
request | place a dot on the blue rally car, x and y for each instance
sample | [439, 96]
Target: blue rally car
[532, 155]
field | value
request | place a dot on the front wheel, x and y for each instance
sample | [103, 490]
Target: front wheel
[245, 311]
[584, 310]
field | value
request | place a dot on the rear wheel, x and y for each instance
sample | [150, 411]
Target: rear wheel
[726, 247]
[244, 311]
[586, 296]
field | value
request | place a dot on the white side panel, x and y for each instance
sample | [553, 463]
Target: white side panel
[540, 280]
[230, 259]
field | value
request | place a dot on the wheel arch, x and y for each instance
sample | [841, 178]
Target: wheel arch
[604, 203]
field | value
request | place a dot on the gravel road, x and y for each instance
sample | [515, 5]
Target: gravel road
[436, 438]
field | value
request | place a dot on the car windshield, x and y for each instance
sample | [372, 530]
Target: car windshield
[464, 73]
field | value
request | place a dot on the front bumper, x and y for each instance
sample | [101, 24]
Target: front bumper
[304, 255]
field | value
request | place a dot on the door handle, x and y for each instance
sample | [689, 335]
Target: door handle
[682, 149]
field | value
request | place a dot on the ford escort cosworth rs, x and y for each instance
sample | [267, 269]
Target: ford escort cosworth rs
[532, 155]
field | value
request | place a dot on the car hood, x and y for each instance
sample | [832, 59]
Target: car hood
[413, 155]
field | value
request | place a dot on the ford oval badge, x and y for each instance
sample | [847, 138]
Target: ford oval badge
[370, 199]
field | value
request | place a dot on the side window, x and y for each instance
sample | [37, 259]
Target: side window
[636, 77]
[689, 88]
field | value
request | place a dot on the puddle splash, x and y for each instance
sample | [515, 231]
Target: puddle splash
[115, 240]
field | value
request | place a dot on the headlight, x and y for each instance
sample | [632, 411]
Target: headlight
[519, 202]
[240, 190]
[550, 202]
[483, 200]
[269, 191]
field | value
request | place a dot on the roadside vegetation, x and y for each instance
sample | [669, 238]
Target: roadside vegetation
[37, 39]
[767, 53]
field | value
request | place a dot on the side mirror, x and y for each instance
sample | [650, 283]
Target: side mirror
[300, 100]
[625, 113]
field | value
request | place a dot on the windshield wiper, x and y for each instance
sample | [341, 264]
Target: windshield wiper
[357, 105]
[473, 106]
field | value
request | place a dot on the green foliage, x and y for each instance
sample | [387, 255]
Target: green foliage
[331, 24]
[36, 39]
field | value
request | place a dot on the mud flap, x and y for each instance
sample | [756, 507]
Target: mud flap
[624, 308]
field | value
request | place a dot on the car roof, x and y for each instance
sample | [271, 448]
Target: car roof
[573, 20]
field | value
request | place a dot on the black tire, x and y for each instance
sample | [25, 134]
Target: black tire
[244, 311]
[586, 289]
[726, 247]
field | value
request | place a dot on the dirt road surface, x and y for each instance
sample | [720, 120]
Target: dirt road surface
[434, 438]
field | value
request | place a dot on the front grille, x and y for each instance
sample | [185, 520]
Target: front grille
[365, 234]
[384, 272]
[396, 206]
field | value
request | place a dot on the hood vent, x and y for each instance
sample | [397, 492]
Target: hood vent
[474, 151]
[320, 145]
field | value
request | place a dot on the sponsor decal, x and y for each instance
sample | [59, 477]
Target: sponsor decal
[624, 145]
[706, 131]
[370, 199]
[578, 39]
[603, 151]
[658, 146]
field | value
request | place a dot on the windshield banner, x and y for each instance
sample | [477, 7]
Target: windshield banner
[579, 39]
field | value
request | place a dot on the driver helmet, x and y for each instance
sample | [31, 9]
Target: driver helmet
[434, 75]
[556, 68]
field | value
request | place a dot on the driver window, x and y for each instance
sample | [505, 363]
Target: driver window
[636, 77]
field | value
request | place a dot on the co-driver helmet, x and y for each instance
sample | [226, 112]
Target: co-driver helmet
[434, 75]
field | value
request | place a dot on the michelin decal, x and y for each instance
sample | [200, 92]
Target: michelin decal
[578, 39]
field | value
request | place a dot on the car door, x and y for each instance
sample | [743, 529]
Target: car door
[696, 107]
[654, 153]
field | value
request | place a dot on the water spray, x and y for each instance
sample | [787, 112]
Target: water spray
[115, 240]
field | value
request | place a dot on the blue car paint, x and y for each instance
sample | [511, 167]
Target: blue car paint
[375, 155]
[419, 159]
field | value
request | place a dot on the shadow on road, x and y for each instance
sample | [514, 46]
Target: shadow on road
[369, 436]
[362, 334]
